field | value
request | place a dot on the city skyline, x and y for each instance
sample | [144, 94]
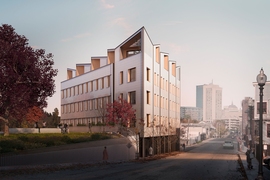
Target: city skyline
[226, 43]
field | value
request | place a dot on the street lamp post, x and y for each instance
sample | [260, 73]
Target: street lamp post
[261, 79]
[251, 105]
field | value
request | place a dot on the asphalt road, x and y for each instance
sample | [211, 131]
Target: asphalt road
[205, 161]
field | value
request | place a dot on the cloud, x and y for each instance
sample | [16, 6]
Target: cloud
[122, 23]
[76, 37]
[106, 5]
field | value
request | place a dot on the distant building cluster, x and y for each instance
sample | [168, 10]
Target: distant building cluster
[208, 104]
[209, 107]
[232, 116]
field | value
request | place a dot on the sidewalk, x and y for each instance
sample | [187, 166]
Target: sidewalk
[252, 173]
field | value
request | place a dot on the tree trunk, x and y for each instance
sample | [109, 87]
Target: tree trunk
[6, 129]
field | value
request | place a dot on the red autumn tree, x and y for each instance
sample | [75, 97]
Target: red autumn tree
[34, 114]
[120, 113]
[26, 76]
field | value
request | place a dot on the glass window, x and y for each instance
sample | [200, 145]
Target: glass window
[148, 120]
[77, 90]
[102, 83]
[121, 77]
[91, 86]
[81, 105]
[96, 84]
[132, 75]
[121, 96]
[77, 107]
[86, 87]
[264, 108]
[86, 105]
[90, 104]
[148, 97]
[148, 74]
[96, 103]
[132, 97]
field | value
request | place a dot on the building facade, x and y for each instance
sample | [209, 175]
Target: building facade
[195, 113]
[137, 71]
[232, 117]
[245, 116]
[209, 98]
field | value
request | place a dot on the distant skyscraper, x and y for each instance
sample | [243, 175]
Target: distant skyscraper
[209, 98]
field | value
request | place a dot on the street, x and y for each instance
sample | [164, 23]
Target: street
[207, 160]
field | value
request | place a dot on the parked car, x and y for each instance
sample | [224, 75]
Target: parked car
[228, 145]
[266, 160]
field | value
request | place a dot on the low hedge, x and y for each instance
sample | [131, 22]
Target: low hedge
[21, 142]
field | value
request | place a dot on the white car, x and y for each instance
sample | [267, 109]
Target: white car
[228, 145]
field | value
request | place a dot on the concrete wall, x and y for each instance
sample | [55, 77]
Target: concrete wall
[93, 129]
[34, 130]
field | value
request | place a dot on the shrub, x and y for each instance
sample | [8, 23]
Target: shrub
[11, 145]
[20, 142]
[66, 139]
[95, 136]
[23, 138]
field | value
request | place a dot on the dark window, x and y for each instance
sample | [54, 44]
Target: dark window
[148, 74]
[121, 77]
[132, 75]
[264, 108]
[132, 97]
[132, 52]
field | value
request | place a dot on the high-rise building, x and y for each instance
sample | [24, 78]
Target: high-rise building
[209, 98]
[137, 71]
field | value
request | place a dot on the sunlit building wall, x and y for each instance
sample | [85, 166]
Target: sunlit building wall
[137, 71]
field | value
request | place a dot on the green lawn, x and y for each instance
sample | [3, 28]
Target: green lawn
[20, 142]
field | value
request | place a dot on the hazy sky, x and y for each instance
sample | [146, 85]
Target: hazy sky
[224, 41]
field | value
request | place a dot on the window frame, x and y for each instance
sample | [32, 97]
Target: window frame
[132, 97]
[132, 74]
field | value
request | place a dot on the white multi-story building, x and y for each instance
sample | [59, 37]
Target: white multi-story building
[135, 70]
[209, 98]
